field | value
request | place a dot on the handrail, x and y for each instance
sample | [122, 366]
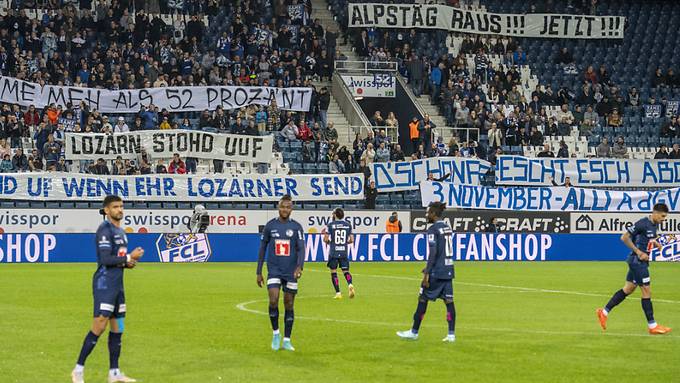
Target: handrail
[348, 66]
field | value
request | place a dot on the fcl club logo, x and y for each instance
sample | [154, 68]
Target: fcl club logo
[670, 248]
[183, 248]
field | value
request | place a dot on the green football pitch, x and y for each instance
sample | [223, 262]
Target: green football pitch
[517, 322]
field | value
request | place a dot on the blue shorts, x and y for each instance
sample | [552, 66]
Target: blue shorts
[333, 263]
[439, 288]
[289, 284]
[638, 274]
[109, 303]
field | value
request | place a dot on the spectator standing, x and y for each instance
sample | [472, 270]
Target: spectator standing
[324, 104]
[371, 194]
[51, 151]
[177, 166]
[436, 82]
[414, 133]
[393, 224]
[416, 69]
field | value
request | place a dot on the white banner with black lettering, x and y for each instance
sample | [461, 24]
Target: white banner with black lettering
[164, 143]
[547, 198]
[175, 99]
[406, 175]
[377, 85]
[410, 16]
[518, 170]
[208, 188]
[176, 220]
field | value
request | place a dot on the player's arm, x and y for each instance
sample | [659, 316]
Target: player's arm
[260, 256]
[300, 251]
[350, 239]
[627, 239]
[326, 236]
[107, 257]
[432, 243]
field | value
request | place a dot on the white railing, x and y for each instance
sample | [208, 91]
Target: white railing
[347, 66]
[392, 132]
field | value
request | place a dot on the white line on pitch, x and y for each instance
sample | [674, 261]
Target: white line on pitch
[242, 307]
[525, 289]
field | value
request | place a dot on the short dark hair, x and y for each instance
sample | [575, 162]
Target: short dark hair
[110, 199]
[661, 207]
[286, 197]
[438, 208]
[339, 213]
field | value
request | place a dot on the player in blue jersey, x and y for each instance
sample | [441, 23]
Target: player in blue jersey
[640, 239]
[284, 246]
[107, 289]
[437, 275]
[339, 236]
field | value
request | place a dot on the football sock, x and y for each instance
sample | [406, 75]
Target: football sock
[334, 279]
[88, 345]
[289, 317]
[274, 317]
[114, 349]
[451, 317]
[649, 311]
[348, 277]
[617, 298]
[418, 316]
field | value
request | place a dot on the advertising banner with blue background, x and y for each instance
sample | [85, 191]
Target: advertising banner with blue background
[212, 188]
[407, 175]
[43, 248]
[534, 198]
[518, 170]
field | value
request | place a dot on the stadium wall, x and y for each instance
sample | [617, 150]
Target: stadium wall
[57, 248]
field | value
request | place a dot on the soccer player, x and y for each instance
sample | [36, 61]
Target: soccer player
[339, 236]
[640, 239]
[284, 245]
[107, 289]
[437, 275]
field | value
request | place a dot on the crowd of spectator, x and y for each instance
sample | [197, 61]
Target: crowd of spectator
[117, 45]
[491, 99]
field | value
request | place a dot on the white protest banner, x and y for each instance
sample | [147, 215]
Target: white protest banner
[406, 175]
[206, 188]
[518, 170]
[672, 108]
[616, 223]
[163, 143]
[563, 26]
[546, 198]
[377, 85]
[176, 220]
[175, 99]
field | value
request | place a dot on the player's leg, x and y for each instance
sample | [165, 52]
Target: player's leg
[616, 299]
[418, 315]
[274, 288]
[450, 313]
[647, 308]
[290, 289]
[116, 328]
[344, 265]
[98, 326]
[333, 266]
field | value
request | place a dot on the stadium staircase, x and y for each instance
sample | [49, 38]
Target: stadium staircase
[320, 11]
